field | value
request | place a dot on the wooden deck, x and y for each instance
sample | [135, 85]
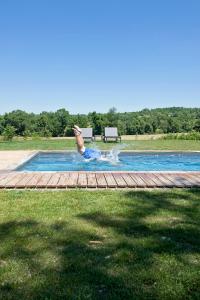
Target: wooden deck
[63, 180]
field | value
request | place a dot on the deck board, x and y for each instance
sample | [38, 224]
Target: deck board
[195, 179]
[72, 180]
[32, 183]
[53, 181]
[110, 180]
[62, 183]
[91, 180]
[129, 180]
[99, 180]
[178, 180]
[82, 180]
[4, 179]
[24, 181]
[161, 180]
[146, 177]
[119, 180]
[138, 180]
[11, 183]
[45, 178]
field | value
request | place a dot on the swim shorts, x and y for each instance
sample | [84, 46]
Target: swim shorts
[91, 153]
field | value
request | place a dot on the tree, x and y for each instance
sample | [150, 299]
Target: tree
[18, 119]
[197, 125]
[97, 122]
[9, 133]
[112, 117]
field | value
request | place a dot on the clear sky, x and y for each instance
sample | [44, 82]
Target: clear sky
[88, 55]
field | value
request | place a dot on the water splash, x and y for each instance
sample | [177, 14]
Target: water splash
[113, 155]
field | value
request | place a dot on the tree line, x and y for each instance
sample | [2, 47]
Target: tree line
[60, 122]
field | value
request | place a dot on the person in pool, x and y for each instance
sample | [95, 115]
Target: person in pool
[87, 153]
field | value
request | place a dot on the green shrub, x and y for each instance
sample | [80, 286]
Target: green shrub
[26, 134]
[183, 136]
[46, 133]
[35, 136]
[9, 133]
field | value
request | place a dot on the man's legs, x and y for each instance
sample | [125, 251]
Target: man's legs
[79, 139]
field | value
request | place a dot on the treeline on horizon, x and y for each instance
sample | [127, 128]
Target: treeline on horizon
[59, 123]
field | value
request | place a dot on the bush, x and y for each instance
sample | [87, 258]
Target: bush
[35, 136]
[9, 133]
[68, 131]
[183, 136]
[46, 133]
[26, 134]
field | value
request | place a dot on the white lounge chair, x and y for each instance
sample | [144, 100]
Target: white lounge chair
[111, 133]
[87, 134]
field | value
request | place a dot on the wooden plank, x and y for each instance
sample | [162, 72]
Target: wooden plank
[43, 181]
[184, 178]
[161, 180]
[14, 180]
[129, 180]
[178, 180]
[138, 180]
[22, 182]
[71, 181]
[3, 175]
[82, 180]
[34, 180]
[101, 181]
[147, 179]
[91, 180]
[119, 180]
[6, 178]
[194, 179]
[62, 183]
[52, 183]
[110, 180]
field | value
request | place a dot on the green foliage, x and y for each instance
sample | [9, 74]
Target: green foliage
[197, 125]
[9, 133]
[146, 121]
[183, 136]
[35, 136]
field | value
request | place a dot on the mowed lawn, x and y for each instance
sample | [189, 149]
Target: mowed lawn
[100, 244]
[62, 144]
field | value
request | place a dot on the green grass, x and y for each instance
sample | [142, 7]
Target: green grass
[100, 245]
[61, 144]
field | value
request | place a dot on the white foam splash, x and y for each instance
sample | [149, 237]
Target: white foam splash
[113, 155]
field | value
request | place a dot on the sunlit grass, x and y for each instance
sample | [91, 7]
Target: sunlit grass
[100, 244]
[61, 144]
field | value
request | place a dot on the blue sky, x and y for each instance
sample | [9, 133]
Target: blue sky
[88, 55]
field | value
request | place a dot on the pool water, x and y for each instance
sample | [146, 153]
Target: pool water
[127, 161]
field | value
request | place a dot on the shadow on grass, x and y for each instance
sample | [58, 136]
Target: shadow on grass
[147, 240]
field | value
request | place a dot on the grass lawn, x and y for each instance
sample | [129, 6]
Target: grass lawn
[61, 144]
[100, 244]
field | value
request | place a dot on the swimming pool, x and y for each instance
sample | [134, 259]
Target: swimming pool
[128, 161]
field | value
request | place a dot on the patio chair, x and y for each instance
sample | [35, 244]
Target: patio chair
[112, 134]
[87, 134]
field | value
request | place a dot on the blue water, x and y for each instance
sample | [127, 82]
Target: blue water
[134, 161]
